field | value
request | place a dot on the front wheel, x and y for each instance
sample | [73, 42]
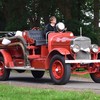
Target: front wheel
[59, 71]
[95, 77]
[4, 73]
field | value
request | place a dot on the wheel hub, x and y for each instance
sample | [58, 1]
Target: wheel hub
[58, 69]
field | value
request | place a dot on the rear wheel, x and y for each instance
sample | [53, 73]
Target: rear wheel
[20, 71]
[95, 77]
[37, 74]
[59, 71]
[4, 73]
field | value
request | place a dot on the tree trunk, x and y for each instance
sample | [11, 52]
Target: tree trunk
[96, 14]
[65, 8]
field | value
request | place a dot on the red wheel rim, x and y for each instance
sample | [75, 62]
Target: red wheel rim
[97, 74]
[58, 69]
[1, 68]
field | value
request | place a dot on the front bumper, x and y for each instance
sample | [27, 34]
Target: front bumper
[82, 61]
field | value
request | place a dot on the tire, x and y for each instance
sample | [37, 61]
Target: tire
[59, 71]
[4, 73]
[95, 77]
[20, 71]
[37, 74]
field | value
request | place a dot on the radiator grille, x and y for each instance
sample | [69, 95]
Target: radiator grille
[83, 55]
[84, 43]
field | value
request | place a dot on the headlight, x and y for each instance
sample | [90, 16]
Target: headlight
[75, 48]
[95, 48]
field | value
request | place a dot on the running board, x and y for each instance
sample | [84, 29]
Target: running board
[24, 68]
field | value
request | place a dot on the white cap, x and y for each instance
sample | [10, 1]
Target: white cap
[18, 33]
[6, 41]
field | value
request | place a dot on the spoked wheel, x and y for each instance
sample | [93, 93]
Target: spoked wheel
[95, 77]
[37, 74]
[4, 73]
[59, 71]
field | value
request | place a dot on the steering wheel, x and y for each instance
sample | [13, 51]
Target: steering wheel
[35, 28]
[47, 36]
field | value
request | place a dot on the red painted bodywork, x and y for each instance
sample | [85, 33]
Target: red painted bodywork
[57, 43]
[7, 58]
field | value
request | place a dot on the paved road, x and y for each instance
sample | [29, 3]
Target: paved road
[75, 83]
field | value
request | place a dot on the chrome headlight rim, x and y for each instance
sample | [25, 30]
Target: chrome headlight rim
[75, 48]
[95, 48]
[60, 26]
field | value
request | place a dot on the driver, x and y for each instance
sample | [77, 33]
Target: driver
[52, 25]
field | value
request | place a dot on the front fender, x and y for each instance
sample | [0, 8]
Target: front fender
[7, 58]
[62, 51]
[99, 50]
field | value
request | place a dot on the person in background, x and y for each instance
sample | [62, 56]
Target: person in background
[51, 26]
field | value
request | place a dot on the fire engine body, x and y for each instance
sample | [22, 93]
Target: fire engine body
[61, 53]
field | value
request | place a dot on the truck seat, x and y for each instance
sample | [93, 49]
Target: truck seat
[38, 36]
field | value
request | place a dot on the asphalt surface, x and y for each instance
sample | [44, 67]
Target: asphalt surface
[75, 83]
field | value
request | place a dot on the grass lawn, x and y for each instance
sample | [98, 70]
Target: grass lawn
[8, 92]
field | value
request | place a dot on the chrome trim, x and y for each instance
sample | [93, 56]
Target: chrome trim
[82, 61]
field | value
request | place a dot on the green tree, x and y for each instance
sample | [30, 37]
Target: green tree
[15, 14]
[74, 13]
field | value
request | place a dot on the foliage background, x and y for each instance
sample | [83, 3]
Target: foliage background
[25, 14]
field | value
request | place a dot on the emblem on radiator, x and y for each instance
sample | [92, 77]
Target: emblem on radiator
[64, 39]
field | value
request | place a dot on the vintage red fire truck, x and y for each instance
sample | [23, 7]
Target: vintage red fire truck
[60, 52]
